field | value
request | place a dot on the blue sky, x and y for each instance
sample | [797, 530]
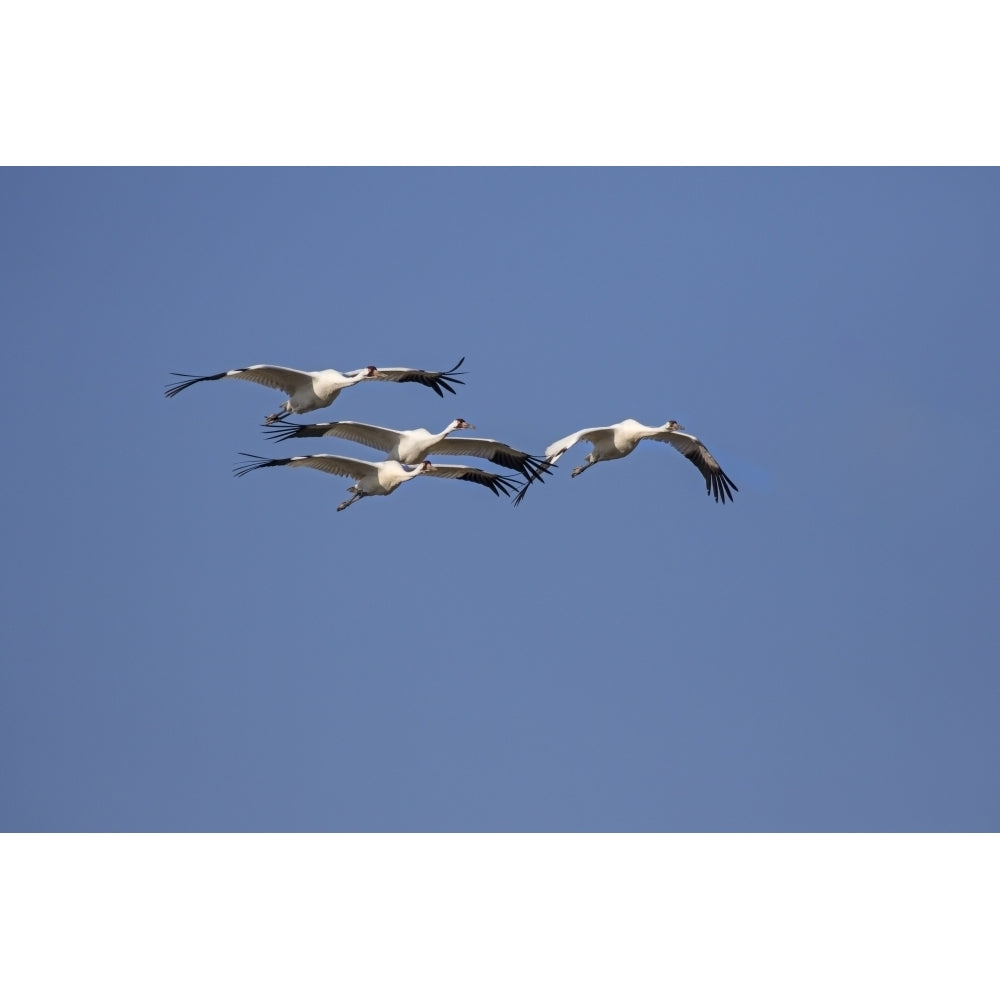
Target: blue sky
[184, 650]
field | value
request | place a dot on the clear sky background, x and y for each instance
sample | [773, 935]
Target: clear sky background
[187, 651]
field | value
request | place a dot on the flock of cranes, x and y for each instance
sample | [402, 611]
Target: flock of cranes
[406, 452]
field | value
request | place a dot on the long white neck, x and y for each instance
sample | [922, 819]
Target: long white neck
[641, 431]
[646, 432]
[441, 435]
[417, 470]
[392, 473]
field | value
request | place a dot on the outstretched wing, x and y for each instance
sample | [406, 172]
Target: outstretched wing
[557, 449]
[493, 451]
[433, 380]
[335, 465]
[717, 483]
[495, 481]
[592, 434]
[381, 438]
[287, 380]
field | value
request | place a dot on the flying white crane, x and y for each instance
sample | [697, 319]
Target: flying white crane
[309, 391]
[621, 439]
[413, 446]
[379, 479]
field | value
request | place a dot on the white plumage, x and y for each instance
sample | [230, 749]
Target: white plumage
[412, 446]
[379, 478]
[621, 439]
[309, 391]
[407, 451]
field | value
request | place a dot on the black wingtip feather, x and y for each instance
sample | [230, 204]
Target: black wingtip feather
[543, 469]
[281, 430]
[444, 379]
[503, 484]
[497, 483]
[717, 484]
[260, 462]
[175, 387]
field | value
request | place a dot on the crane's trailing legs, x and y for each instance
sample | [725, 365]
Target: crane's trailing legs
[283, 412]
[347, 503]
[579, 469]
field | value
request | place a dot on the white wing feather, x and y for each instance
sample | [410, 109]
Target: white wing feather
[288, 380]
[370, 435]
[592, 434]
[335, 465]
